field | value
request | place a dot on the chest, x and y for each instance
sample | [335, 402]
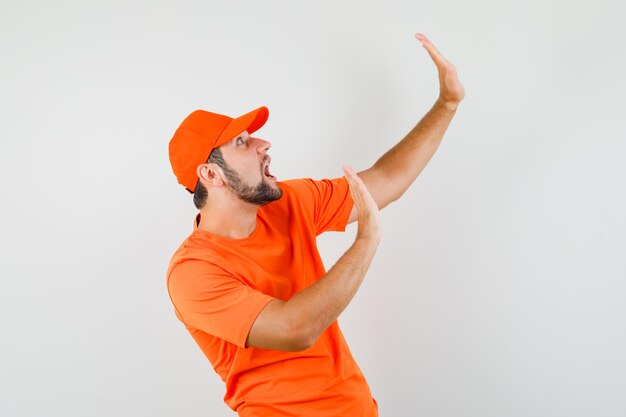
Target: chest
[282, 265]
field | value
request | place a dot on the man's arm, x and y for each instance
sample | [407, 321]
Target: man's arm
[296, 325]
[395, 171]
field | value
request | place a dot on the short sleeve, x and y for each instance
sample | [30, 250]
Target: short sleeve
[212, 301]
[329, 201]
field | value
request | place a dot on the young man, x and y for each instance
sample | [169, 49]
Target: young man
[249, 284]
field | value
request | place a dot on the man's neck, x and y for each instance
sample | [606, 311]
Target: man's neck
[236, 220]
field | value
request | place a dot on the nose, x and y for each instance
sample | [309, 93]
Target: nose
[262, 146]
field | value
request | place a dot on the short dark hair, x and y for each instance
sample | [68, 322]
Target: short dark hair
[201, 194]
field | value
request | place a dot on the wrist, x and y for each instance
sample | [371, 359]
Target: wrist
[367, 242]
[447, 104]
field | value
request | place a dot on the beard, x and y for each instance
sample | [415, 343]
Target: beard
[260, 194]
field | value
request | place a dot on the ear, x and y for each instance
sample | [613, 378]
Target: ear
[210, 175]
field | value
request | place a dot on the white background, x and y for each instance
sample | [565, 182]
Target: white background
[498, 289]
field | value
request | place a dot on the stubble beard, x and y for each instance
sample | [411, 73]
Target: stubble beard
[260, 194]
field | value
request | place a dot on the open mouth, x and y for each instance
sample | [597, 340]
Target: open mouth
[266, 169]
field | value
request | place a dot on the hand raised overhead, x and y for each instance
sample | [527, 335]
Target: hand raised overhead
[451, 91]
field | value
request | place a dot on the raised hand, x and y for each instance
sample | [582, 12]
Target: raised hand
[368, 213]
[451, 91]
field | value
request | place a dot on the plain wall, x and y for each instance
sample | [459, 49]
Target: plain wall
[498, 288]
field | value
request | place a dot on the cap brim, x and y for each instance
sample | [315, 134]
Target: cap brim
[251, 122]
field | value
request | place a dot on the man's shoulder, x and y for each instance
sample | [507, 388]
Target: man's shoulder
[297, 188]
[308, 183]
[295, 184]
[199, 252]
[292, 189]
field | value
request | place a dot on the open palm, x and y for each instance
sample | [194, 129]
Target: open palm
[451, 90]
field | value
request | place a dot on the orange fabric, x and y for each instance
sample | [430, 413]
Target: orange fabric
[218, 286]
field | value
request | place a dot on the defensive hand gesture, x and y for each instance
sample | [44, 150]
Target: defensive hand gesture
[368, 216]
[451, 91]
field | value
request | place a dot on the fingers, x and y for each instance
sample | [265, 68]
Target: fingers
[350, 176]
[356, 185]
[428, 44]
[358, 189]
[350, 173]
[354, 179]
[432, 50]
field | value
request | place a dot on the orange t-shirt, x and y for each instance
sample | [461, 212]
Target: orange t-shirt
[219, 285]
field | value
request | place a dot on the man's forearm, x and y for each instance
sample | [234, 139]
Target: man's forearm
[405, 161]
[319, 305]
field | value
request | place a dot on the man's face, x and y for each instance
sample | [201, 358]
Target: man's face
[248, 173]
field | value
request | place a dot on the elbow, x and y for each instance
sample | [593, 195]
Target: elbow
[301, 336]
[395, 197]
[299, 345]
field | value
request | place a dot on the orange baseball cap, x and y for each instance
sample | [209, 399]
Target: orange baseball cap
[202, 131]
